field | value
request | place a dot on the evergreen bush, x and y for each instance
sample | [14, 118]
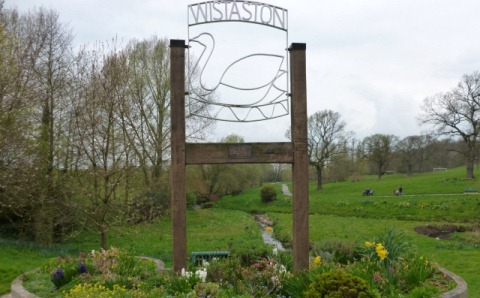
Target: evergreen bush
[268, 193]
[338, 284]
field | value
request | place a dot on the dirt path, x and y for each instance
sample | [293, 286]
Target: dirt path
[285, 190]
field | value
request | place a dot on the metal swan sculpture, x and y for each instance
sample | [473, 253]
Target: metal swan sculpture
[267, 91]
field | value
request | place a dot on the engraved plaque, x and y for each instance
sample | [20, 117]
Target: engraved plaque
[239, 151]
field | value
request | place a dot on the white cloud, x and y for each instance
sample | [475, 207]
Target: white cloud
[373, 61]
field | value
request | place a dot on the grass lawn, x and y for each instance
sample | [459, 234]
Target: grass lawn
[457, 255]
[337, 213]
[16, 258]
[207, 230]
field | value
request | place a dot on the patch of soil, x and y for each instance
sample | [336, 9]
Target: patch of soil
[440, 232]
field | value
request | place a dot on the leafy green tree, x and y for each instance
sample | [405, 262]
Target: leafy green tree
[145, 111]
[34, 84]
[51, 76]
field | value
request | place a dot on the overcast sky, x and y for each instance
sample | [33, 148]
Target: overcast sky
[373, 61]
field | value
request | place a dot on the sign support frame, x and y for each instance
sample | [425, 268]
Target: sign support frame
[295, 153]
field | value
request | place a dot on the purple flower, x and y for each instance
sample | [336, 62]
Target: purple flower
[58, 277]
[82, 268]
[58, 274]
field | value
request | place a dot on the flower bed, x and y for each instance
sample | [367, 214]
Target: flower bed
[384, 267]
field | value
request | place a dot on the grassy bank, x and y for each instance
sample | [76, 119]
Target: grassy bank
[337, 213]
[18, 257]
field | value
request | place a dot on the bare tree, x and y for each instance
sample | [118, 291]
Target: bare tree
[378, 150]
[326, 138]
[277, 171]
[101, 150]
[412, 152]
[457, 114]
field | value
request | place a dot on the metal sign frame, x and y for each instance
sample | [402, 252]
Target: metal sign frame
[263, 98]
[294, 152]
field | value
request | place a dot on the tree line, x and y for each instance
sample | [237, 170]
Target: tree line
[453, 119]
[341, 157]
[85, 136]
[82, 133]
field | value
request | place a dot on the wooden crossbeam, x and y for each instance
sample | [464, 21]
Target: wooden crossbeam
[221, 153]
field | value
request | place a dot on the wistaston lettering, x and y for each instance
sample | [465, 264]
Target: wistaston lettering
[239, 11]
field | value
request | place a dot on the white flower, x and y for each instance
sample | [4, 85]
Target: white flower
[202, 274]
[186, 274]
[275, 251]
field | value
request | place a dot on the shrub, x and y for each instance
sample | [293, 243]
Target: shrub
[263, 278]
[148, 206]
[338, 251]
[225, 271]
[207, 290]
[250, 255]
[338, 284]
[191, 200]
[300, 281]
[268, 193]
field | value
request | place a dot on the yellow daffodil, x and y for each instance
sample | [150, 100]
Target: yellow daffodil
[317, 260]
[379, 247]
[382, 254]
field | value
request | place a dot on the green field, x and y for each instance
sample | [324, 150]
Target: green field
[16, 258]
[337, 213]
[340, 213]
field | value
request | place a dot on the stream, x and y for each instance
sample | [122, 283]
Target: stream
[267, 236]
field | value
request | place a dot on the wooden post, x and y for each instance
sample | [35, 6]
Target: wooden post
[178, 193]
[298, 82]
[240, 153]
